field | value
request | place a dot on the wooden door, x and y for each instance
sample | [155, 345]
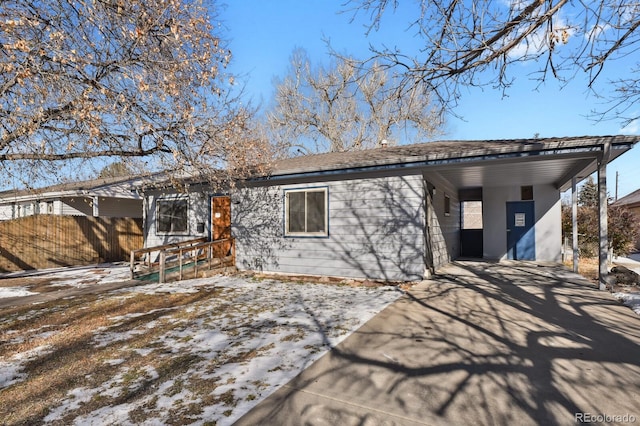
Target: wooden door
[221, 224]
[220, 218]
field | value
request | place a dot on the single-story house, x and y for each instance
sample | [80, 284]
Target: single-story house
[632, 202]
[391, 213]
[107, 197]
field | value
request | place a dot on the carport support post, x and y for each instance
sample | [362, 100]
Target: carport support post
[574, 224]
[429, 189]
[602, 221]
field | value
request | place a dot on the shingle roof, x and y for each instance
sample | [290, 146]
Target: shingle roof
[421, 154]
[86, 185]
[629, 200]
[434, 151]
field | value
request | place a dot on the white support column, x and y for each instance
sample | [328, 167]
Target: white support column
[602, 221]
[428, 206]
[96, 206]
[574, 224]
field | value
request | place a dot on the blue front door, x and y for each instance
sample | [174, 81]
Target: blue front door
[521, 237]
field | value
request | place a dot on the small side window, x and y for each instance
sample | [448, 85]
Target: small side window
[526, 193]
[447, 205]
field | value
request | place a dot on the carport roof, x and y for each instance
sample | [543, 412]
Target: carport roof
[472, 163]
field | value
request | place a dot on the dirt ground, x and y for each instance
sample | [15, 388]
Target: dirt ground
[588, 268]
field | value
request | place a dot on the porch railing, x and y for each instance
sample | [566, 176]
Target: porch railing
[182, 258]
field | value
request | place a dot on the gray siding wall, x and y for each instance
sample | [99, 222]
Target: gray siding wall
[376, 230]
[444, 229]
[198, 212]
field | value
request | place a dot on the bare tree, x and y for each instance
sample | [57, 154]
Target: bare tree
[346, 108]
[116, 169]
[472, 43]
[92, 79]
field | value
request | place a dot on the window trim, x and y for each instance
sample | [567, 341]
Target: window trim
[285, 221]
[157, 218]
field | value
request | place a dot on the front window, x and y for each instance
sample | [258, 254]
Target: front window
[306, 212]
[172, 216]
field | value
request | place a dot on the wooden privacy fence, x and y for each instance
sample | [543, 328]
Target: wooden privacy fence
[47, 241]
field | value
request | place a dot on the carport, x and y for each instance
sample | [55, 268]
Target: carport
[480, 343]
[557, 164]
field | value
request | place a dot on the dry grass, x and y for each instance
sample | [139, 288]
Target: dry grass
[587, 267]
[64, 331]
[143, 355]
[153, 356]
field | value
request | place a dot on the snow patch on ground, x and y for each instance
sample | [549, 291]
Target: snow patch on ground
[631, 300]
[11, 370]
[14, 292]
[79, 277]
[92, 276]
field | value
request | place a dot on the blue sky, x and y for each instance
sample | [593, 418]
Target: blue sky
[263, 34]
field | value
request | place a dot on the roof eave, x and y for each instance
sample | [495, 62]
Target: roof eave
[434, 161]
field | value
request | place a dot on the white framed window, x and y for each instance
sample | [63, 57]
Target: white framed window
[306, 212]
[172, 216]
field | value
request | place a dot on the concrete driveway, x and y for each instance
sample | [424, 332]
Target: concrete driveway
[480, 343]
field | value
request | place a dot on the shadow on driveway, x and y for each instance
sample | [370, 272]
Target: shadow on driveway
[480, 343]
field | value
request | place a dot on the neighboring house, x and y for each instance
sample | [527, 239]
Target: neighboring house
[632, 202]
[110, 197]
[392, 213]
